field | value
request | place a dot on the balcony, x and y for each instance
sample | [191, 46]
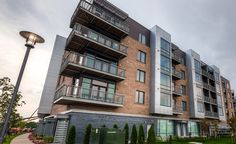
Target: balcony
[207, 74]
[177, 60]
[82, 38]
[177, 110]
[177, 91]
[75, 64]
[210, 114]
[207, 99]
[209, 87]
[176, 74]
[75, 95]
[89, 14]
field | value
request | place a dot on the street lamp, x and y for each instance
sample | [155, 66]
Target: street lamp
[31, 40]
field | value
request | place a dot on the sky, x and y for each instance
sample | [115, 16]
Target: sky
[206, 26]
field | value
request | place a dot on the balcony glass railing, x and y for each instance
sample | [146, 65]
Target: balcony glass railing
[209, 87]
[178, 90]
[205, 73]
[177, 109]
[98, 38]
[78, 93]
[176, 73]
[104, 15]
[211, 114]
[177, 58]
[93, 63]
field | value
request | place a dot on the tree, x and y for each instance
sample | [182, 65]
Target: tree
[232, 123]
[31, 125]
[87, 134]
[71, 135]
[216, 127]
[141, 137]
[126, 129]
[134, 135]
[204, 124]
[6, 91]
[151, 136]
[115, 126]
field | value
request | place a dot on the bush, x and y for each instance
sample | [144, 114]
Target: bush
[48, 139]
[141, 137]
[87, 134]
[115, 126]
[151, 136]
[134, 135]
[126, 129]
[71, 136]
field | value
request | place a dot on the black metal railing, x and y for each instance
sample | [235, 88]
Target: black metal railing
[92, 63]
[104, 15]
[78, 92]
[211, 114]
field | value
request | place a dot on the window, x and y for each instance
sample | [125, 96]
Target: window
[199, 93]
[217, 88]
[183, 89]
[165, 99]
[165, 128]
[221, 113]
[140, 76]
[142, 38]
[139, 97]
[200, 107]
[197, 65]
[193, 129]
[165, 63]
[217, 77]
[219, 100]
[141, 56]
[165, 80]
[184, 105]
[182, 75]
[165, 45]
[198, 78]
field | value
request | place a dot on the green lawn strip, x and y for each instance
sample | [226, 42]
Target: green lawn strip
[9, 138]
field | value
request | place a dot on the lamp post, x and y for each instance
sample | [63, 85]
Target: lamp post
[31, 40]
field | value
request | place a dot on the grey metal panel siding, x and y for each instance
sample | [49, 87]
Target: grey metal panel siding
[52, 76]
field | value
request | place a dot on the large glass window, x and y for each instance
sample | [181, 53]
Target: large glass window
[86, 87]
[221, 113]
[140, 76]
[165, 45]
[141, 56]
[218, 88]
[200, 107]
[198, 78]
[165, 80]
[197, 65]
[139, 97]
[183, 89]
[165, 128]
[219, 100]
[165, 63]
[182, 75]
[165, 99]
[193, 129]
[217, 77]
[199, 93]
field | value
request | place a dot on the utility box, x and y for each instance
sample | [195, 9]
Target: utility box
[107, 136]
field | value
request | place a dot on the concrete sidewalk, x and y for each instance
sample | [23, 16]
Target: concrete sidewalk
[22, 139]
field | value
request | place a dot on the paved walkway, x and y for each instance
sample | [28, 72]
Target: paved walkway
[21, 139]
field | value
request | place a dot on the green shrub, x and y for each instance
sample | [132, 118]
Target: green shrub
[71, 136]
[141, 136]
[115, 126]
[126, 129]
[151, 136]
[48, 139]
[87, 134]
[134, 135]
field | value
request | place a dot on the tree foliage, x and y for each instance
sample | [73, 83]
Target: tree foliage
[71, 135]
[151, 136]
[232, 123]
[204, 124]
[115, 126]
[126, 129]
[134, 135]
[141, 135]
[6, 91]
[87, 134]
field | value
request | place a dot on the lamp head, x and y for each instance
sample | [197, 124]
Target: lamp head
[31, 38]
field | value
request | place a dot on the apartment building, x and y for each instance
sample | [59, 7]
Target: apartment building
[112, 70]
[228, 98]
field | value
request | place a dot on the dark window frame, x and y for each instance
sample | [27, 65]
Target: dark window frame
[139, 56]
[139, 76]
[139, 92]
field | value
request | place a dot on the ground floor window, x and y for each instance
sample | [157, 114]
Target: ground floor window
[193, 129]
[165, 128]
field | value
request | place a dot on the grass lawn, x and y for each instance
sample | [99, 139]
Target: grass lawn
[210, 141]
[9, 138]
